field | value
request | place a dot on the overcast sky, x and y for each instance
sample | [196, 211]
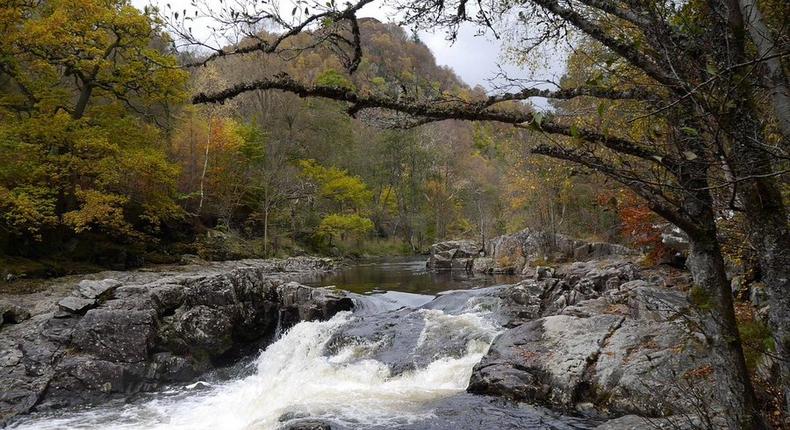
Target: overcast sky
[475, 59]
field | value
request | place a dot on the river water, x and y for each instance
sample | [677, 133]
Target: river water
[300, 377]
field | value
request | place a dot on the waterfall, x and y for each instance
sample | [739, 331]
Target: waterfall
[294, 377]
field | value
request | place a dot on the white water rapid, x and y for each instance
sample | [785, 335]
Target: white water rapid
[293, 376]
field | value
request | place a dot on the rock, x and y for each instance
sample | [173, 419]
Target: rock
[596, 250]
[453, 254]
[116, 335]
[758, 295]
[307, 424]
[190, 259]
[150, 329]
[634, 422]
[637, 370]
[12, 314]
[483, 265]
[97, 290]
[543, 272]
[544, 361]
[407, 339]
[205, 328]
[76, 305]
[516, 253]
[602, 341]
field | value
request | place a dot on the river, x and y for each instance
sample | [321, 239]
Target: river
[315, 370]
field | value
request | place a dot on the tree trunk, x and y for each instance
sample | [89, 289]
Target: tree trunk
[266, 231]
[775, 80]
[769, 235]
[706, 264]
[82, 101]
[766, 220]
[205, 168]
[721, 331]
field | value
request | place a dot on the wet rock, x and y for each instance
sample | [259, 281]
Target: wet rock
[307, 424]
[408, 339]
[121, 338]
[634, 422]
[464, 411]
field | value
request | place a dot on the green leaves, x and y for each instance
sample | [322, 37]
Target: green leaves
[537, 120]
[690, 131]
[333, 78]
[344, 224]
[337, 185]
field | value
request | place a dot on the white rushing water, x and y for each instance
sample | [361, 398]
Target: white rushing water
[294, 376]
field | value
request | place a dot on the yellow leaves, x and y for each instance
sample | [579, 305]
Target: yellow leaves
[336, 184]
[99, 211]
[340, 224]
[104, 44]
[27, 210]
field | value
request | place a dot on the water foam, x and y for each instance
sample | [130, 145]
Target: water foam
[293, 376]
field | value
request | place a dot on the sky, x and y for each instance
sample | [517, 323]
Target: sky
[474, 58]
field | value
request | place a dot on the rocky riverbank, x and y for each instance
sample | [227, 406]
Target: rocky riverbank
[601, 343]
[120, 333]
[603, 340]
[518, 253]
[590, 332]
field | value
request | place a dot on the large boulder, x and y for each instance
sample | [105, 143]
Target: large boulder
[603, 341]
[511, 252]
[453, 254]
[544, 361]
[110, 338]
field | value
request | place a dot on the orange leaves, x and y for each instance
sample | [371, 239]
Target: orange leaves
[640, 225]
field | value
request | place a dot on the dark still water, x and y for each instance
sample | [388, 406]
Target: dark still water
[406, 275]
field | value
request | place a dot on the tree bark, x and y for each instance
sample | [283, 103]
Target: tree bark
[721, 331]
[82, 101]
[205, 168]
[266, 230]
[775, 80]
[769, 235]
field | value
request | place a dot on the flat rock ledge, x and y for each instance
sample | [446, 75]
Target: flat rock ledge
[111, 338]
[602, 339]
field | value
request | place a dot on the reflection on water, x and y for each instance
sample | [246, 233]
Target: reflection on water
[406, 274]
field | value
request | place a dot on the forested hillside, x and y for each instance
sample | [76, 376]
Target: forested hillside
[105, 162]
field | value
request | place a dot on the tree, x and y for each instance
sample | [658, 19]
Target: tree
[82, 82]
[707, 136]
[346, 197]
